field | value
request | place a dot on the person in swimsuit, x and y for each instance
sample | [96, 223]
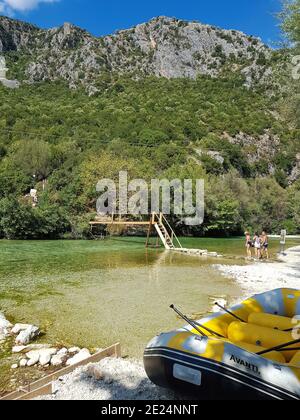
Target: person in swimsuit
[248, 244]
[265, 244]
[257, 245]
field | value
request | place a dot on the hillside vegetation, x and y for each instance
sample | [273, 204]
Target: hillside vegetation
[244, 141]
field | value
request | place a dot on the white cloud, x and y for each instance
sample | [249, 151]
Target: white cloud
[9, 6]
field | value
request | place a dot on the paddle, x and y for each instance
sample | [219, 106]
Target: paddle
[195, 325]
[230, 313]
[245, 322]
[277, 348]
[186, 319]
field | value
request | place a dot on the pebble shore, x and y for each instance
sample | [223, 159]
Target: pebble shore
[111, 379]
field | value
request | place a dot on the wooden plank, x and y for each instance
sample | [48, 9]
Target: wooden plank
[44, 390]
[113, 351]
[121, 223]
[110, 351]
[118, 351]
[148, 234]
[16, 394]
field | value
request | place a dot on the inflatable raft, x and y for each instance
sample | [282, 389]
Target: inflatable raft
[243, 357]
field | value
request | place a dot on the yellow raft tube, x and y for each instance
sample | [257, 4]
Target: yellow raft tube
[228, 364]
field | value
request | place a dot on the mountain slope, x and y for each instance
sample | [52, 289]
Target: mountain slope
[164, 47]
[171, 100]
[16, 35]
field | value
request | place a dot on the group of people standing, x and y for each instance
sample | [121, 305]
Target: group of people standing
[260, 243]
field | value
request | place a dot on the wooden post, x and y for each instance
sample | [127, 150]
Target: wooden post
[118, 352]
[160, 218]
[153, 218]
[149, 232]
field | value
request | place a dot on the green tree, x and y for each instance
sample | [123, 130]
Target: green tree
[17, 220]
[290, 24]
[33, 156]
[294, 206]
[290, 21]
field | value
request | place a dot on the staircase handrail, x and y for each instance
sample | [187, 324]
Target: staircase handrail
[161, 218]
[172, 230]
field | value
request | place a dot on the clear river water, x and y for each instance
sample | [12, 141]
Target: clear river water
[95, 293]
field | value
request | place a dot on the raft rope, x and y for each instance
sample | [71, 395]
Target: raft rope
[290, 329]
[195, 324]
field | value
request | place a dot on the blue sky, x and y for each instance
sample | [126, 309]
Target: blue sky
[100, 17]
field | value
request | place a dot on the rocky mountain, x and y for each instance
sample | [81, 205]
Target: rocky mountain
[164, 47]
[192, 118]
[16, 35]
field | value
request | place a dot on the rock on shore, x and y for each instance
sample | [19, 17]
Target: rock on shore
[28, 334]
[43, 355]
[5, 327]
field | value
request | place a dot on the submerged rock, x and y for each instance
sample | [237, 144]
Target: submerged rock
[30, 347]
[20, 327]
[5, 327]
[27, 335]
[19, 349]
[4, 324]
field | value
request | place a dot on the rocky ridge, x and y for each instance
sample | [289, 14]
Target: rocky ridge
[163, 47]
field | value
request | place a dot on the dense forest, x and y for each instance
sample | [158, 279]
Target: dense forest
[243, 142]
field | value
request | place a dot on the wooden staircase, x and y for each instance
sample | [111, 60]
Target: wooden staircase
[157, 220]
[165, 232]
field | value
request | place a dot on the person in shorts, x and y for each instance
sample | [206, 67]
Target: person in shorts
[265, 245]
[257, 245]
[249, 244]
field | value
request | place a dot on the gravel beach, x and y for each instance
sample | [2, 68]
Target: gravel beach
[121, 379]
[263, 276]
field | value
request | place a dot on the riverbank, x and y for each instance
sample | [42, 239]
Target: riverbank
[262, 276]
